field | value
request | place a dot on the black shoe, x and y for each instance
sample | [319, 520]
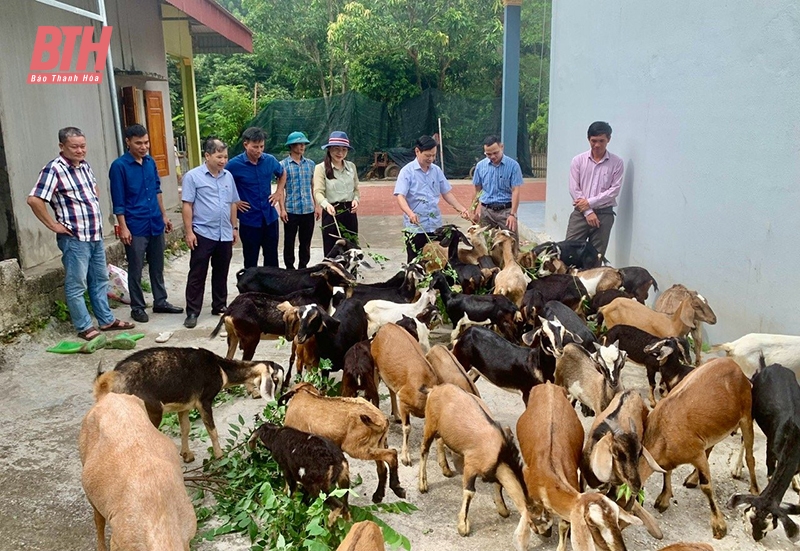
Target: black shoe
[140, 316]
[190, 322]
[215, 312]
[167, 308]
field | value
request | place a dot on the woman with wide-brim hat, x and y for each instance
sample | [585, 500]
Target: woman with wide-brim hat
[336, 191]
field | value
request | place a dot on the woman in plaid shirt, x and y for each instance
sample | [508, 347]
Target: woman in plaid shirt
[300, 204]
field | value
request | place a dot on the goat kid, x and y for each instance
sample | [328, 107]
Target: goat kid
[310, 460]
[171, 379]
[359, 373]
[144, 501]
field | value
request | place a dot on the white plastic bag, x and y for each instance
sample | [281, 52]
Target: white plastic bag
[118, 284]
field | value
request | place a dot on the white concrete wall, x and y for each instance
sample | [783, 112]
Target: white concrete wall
[31, 115]
[703, 100]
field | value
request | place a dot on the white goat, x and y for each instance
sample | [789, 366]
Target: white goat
[777, 349]
[380, 312]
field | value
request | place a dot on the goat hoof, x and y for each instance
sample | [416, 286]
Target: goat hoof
[448, 473]
[463, 529]
[406, 461]
[188, 457]
[737, 473]
[719, 529]
[423, 488]
[662, 504]
[377, 497]
[400, 492]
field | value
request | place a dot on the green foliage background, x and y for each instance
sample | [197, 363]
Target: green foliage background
[388, 50]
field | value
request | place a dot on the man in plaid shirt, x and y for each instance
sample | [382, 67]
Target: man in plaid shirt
[299, 201]
[68, 184]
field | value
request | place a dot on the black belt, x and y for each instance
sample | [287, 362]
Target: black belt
[496, 206]
[345, 204]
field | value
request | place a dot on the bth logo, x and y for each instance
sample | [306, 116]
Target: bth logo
[51, 62]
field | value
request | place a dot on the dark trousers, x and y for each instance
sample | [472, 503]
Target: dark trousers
[149, 247]
[414, 244]
[348, 226]
[304, 225]
[578, 228]
[220, 254]
[259, 238]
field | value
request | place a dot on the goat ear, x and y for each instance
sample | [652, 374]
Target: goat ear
[596, 345]
[737, 500]
[790, 508]
[687, 314]
[650, 459]
[601, 461]
[629, 518]
[529, 337]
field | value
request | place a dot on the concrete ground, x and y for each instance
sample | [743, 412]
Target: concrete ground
[44, 397]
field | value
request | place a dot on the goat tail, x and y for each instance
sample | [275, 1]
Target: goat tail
[104, 383]
[724, 347]
[762, 363]
[217, 329]
[509, 455]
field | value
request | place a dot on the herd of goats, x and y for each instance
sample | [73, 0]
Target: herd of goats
[555, 325]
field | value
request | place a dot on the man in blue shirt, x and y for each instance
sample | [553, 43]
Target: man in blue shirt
[300, 208]
[497, 182]
[210, 220]
[142, 219]
[253, 172]
[418, 187]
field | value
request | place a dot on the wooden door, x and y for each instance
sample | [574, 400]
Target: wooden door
[130, 107]
[154, 109]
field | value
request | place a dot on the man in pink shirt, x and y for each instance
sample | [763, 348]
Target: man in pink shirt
[595, 178]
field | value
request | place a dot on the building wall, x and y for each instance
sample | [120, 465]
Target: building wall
[30, 115]
[704, 106]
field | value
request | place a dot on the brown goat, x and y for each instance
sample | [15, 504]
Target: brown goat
[711, 402]
[363, 536]
[408, 375]
[143, 500]
[683, 546]
[488, 450]
[669, 301]
[353, 424]
[551, 439]
[512, 280]
[449, 370]
[623, 311]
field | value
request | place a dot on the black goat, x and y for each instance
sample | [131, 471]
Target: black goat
[561, 287]
[332, 335]
[252, 315]
[281, 282]
[359, 373]
[576, 254]
[641, 348]
[313, 461]
[637, 281]
[400, 288]
[504, 364]
[470, 276]
[776, 409]
[499, 309]
[172, 379]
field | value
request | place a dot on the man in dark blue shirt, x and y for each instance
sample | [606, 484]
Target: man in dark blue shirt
[136, 196]
[253, 172]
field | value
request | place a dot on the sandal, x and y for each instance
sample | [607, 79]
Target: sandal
[94, 345]
[89, 334]
[117, 325]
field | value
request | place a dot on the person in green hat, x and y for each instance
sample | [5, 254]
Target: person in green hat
[300, 205]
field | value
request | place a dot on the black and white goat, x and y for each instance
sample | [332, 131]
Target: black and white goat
[776, 409]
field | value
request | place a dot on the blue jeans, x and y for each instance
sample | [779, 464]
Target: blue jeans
[85, 267]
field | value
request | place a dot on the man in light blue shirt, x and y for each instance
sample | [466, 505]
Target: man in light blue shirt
[209, 218]
[497, 182]
[418, 187]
